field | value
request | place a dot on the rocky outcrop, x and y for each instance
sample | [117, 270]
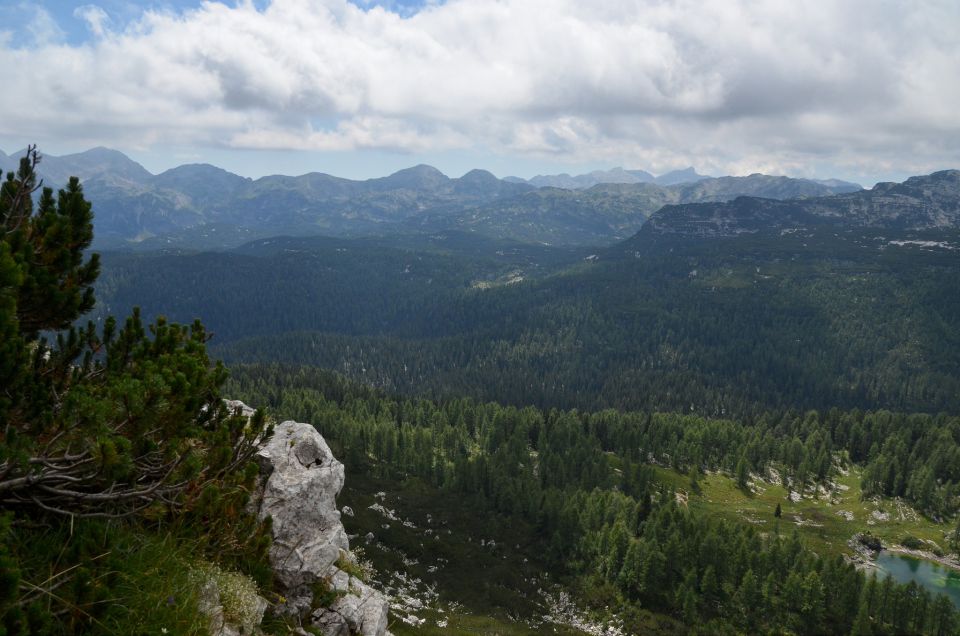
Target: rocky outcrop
[310, 548]
[247, 610]
[358, 608]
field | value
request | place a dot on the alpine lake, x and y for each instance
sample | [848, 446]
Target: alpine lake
[934, 577]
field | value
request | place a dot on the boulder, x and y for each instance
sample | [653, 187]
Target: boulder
[236, 405]
[301, 481]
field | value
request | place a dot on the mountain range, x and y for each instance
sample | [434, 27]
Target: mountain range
[848, 299]
[606, 213]
[614, 175]
[202, 206]
[927, 202]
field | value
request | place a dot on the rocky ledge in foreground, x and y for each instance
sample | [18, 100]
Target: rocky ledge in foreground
[310, 551]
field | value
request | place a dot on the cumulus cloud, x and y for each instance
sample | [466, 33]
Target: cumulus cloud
[732, 85]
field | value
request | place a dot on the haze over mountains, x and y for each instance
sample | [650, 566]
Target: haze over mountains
[427, 282]
[202, 206]
[614, 175]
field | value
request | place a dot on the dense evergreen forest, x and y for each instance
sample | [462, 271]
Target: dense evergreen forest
[718, 326]
[586, 480]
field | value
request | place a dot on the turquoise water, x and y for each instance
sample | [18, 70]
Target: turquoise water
[933, 576]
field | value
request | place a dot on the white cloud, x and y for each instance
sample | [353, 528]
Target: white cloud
[96, 18]
[727, 85]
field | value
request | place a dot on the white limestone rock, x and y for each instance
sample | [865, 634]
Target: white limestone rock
[359, 608]
[302, 480]
[300, 496]
[234, 405]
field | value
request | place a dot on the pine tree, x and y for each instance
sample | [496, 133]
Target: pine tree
[943, 618]
[861, 624]
[749, 599]
[778, 512]
[695, 481]
[742, 474]
[106, 424]
[95, 424]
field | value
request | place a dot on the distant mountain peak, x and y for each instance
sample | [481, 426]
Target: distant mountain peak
[685, 175]
[420, 169]
[99, 162]
[196, 166]
[478, 175]
[940, 176]
[419, 177]
[101, 151]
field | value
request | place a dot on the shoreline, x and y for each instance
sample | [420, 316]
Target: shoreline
[948, 561]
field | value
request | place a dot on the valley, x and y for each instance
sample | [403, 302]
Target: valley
[624, 408]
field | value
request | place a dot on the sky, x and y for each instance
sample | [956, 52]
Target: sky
[865, 90]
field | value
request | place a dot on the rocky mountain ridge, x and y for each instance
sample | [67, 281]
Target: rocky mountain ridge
[202, 206]
[612, 211]
[921, 203]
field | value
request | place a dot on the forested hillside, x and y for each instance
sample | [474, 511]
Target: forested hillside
[339, 318]
[771, 319]
[610, 518]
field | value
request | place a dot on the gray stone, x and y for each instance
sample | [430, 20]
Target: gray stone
[301, 481]
[360, 608]
[234, 405]
[300, 496]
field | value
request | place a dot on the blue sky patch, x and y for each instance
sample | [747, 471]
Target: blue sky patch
[29, 23]
[405, 8]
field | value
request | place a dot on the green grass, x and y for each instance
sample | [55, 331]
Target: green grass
[109, 578]
[816, 518]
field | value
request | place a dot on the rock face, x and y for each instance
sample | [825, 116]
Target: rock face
[302, 480]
